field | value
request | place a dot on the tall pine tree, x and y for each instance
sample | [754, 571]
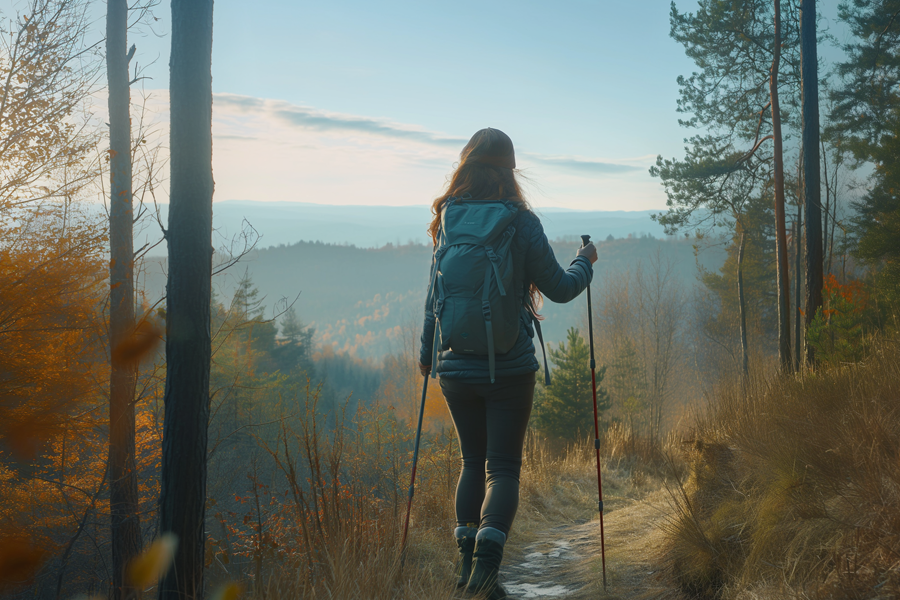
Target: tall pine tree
[747, 53]
[867, 113]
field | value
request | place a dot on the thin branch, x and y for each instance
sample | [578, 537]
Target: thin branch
[753, 151]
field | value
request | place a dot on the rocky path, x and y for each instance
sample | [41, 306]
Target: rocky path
[564, 561]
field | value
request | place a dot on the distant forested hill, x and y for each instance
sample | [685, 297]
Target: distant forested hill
[360, 300]
[374, 226]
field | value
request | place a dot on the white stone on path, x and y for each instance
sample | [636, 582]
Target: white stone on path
[530, 590]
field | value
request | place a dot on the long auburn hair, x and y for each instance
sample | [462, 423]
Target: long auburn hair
[486, 171]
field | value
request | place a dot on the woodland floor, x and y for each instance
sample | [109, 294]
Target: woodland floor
[564, 561]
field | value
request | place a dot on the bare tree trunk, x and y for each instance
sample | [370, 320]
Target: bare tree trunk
[183, 480]
[829, 236]
[784, 284]
[745, 359]
[798, 315]
[125, 526]
[810, 108]
[660, 305]
[826, 246]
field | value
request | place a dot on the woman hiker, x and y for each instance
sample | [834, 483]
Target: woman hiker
[492, 262]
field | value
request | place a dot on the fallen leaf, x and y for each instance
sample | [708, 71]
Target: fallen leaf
[232, 591]
[138, 345]
[153, 563]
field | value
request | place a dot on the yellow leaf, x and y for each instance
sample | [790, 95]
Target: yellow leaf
[232, 591]
[153, 563]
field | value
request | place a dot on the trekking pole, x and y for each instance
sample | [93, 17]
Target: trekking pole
[412, 483]
[586, 239]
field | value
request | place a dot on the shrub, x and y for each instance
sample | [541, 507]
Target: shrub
[836, 331]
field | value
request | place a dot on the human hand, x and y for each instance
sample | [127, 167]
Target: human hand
[425, 370]
[589, 252]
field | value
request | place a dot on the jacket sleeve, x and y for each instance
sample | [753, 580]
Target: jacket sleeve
[427, 340]
[544, 270]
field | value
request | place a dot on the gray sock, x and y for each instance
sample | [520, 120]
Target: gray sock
[490, 533]
[461, 532]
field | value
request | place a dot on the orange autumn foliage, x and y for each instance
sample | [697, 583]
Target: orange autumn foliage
[853, 294]
[401, 391]
[51, 276]
[51, 349]
[437, 415]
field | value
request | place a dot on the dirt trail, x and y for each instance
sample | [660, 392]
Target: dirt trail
[564, 561]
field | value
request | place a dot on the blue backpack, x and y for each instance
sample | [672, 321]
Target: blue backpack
[475, 306]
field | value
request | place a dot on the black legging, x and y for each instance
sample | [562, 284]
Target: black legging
[490, 421]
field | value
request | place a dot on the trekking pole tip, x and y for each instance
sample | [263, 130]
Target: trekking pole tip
[585, 240]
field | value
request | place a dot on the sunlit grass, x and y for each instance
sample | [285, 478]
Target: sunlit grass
[794, 487]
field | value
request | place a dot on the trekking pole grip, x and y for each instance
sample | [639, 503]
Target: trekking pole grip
[585, 240]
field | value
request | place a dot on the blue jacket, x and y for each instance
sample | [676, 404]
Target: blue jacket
[533, 261]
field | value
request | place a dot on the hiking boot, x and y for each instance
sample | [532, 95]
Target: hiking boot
[486, 564]
[465, 540]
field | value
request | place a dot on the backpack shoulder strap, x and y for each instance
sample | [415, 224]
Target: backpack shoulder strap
[486, 311]
[439, 249]
[537, 328]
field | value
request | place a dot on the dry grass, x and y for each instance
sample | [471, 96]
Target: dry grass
[793, 488]
[328, 526]
[559, 483]
[559, 498]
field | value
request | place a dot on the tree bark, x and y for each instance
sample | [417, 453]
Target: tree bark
[745, 358]
[189, 236]
[125, 527]
[810, 136]
[798, 261]
[784, 284]
[826, 244]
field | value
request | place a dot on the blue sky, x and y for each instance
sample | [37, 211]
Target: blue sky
[586, 90]
[353, 102]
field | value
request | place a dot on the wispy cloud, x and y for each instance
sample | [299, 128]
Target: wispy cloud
[319, 120]
[273, 150]
[309, 118]
[585, 166]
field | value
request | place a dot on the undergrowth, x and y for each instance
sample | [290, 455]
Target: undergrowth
[326, 521]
